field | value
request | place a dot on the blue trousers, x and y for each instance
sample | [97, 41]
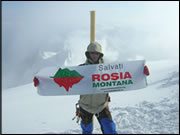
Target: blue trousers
[104, 119]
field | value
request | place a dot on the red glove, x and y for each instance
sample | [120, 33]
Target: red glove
[146, 70]
[36, 82]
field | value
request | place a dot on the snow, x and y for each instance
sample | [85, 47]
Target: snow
[152, 110]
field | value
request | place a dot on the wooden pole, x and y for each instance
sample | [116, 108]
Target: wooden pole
[92, 27]
[92, 36]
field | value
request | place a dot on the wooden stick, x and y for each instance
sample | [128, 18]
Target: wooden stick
[92, 38]
[92, 27]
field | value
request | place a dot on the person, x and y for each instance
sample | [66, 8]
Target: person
[95, 104]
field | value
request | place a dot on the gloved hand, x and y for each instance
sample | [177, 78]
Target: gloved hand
[36, 82]
[146, 70]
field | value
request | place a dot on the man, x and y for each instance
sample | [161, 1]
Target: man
[96, 104]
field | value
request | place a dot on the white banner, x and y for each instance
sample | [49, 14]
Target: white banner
[92, 79]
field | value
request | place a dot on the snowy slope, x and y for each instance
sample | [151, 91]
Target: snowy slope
[154, 109]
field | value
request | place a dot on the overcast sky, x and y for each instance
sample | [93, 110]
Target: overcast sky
[126, 30]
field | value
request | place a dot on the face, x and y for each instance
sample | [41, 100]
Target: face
[94, 56]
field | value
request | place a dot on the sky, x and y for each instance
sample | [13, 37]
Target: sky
[126, 31]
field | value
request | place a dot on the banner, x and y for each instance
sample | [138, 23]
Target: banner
[92, 79]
